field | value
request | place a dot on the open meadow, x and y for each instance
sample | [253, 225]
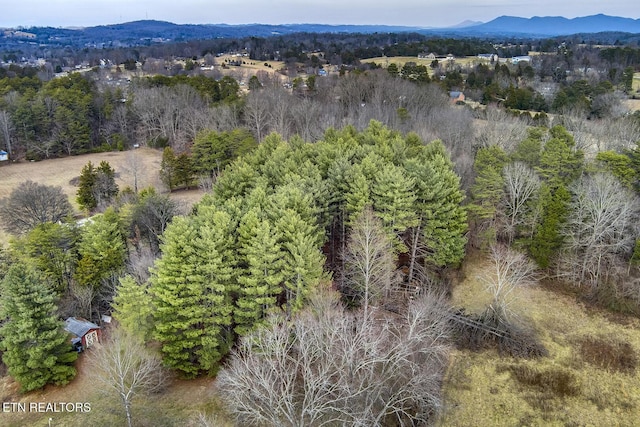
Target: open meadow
[63, 172]
[590, 376]
[401, 60]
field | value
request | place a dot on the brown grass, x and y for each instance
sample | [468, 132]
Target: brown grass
[60, 172]
[63, 172]
[608, 353]
[556, 380]
[587, 378]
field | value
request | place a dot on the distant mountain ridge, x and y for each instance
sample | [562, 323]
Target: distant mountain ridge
[150, 31]
[557, 25]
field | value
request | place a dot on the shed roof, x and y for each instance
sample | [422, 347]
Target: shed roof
[79, 327]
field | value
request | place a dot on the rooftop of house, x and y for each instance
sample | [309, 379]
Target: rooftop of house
[79, 326]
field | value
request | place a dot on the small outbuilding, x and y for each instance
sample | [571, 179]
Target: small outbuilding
[456, 97]
[84, 333]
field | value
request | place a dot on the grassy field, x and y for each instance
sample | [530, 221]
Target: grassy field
[61, 172]
[249, 67]
[401, 60]
[589, 377]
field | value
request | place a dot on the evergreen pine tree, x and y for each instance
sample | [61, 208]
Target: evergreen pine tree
[487, 190]
[528, 150]
[261, 273]
[105, 188]
[303, 261]
[37, 351]
[86, 183]
[560, 165]
[620, 166]
[548, 238]
[215, 267]
[168, 168]
[443, 221]
[213, 151]
[133, 308]
[394, 202]
[101, 250]
[237, 180]
[357, 194]
[560, 162]
[177, 299]
[51, 249]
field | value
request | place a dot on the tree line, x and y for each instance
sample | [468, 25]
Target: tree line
[576, 216]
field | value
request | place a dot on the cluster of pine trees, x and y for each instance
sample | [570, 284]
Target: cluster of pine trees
[275, 227]
[53, 270]
[278, 222]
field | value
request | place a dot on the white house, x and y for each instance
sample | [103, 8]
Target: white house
[518, 59]
[427, 56]
[488, 56]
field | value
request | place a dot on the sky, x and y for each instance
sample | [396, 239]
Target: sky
[419, 13]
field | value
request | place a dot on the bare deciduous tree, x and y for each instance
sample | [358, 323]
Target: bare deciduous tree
[6, 130]
[601, 229]
[151, 217]
[509, 270]
[168, 112]
[126, 368]
[134, 166]
[83, 297]
[330, 367]
[280, 118]
[257, 115]
[370, 270]
[140, 263]
[521, 185]
[617, 133]
[501, 129]
[224, 118]
[31, 204]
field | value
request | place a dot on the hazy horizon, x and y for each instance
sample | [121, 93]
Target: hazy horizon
[416, 13]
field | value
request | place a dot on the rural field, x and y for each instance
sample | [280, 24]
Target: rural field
[62, 172]
[590, 376]
[401, 60]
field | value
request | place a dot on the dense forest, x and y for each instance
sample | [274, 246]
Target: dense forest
[313, 277]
